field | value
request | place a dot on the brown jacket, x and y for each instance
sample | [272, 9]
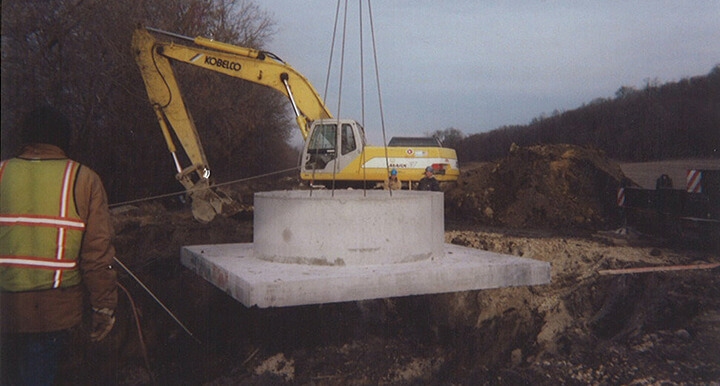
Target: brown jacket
[395, 184]
[59, 309]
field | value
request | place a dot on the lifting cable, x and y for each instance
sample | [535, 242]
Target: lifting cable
[377, 79]
[340, 84]
[362, 85]
[332, 50]
[325, 92]
[362, 95]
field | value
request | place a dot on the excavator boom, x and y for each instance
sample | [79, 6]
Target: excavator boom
[255, 66]
[154, 59]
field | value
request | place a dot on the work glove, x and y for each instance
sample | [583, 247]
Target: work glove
[103, 320]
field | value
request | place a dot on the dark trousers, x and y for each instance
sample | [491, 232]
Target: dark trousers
[31, 358]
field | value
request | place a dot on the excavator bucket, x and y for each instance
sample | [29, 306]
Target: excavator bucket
[208, 202]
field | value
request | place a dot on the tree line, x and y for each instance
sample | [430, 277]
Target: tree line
[673, 120]
[76, 56]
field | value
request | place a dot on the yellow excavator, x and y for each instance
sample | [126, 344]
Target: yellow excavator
[334, 149]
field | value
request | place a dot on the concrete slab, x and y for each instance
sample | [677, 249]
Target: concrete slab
[256, 282]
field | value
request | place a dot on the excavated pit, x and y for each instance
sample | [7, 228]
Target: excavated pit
[658, 328]
[328, 247]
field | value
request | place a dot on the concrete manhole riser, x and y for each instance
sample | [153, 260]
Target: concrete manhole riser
[352, 245]
[348, 227]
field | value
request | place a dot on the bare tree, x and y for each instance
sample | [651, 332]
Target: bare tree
[75, 54]
[450, 137]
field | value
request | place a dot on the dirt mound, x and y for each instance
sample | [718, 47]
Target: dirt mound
[546, 186]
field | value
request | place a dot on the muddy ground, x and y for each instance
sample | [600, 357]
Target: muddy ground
[583, 328]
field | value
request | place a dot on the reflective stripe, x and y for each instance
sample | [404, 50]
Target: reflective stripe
[42, 221]
[694, 179]
[34, 262]
[66, 189]
[2, 168]
[64, 197]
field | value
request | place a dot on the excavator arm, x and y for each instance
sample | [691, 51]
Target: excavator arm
[256, 66]
[154, 59]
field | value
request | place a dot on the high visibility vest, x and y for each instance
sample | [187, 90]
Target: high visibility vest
[40, 229]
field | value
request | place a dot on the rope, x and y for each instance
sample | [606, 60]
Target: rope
[143, 347]
[157, 300]
[200, 189]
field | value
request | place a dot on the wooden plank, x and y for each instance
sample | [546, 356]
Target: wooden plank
[657, 269]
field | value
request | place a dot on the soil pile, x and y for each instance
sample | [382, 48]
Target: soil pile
[546, 186]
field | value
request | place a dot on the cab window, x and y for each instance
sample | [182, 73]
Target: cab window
[321, 149]
[323, 139]
[348, 139]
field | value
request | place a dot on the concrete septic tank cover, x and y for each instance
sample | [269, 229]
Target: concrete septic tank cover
[352, 245]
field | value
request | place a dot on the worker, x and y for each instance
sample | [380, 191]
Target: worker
[55, 247]
[429, 182]
[392, 182]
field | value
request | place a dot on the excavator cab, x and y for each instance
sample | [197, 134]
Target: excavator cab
[332, 146]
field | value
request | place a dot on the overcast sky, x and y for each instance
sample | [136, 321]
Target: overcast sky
[478, 65]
